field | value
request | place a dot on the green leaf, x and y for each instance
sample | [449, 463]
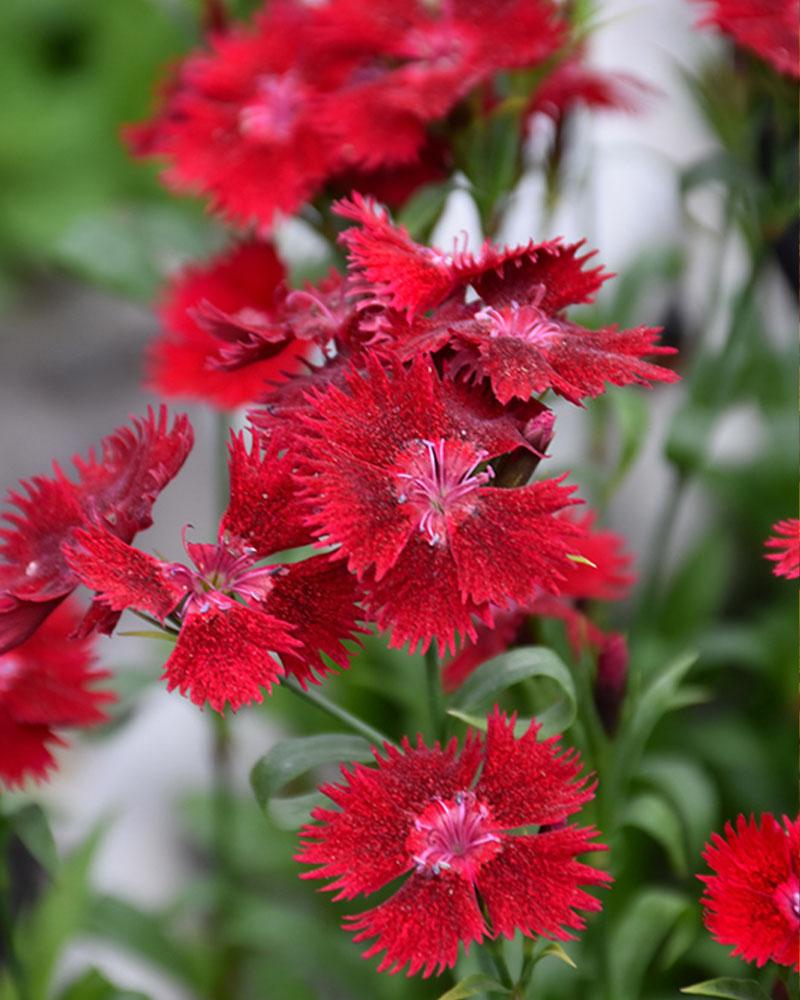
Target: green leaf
[472, 986]
[637, 937]
[148, 935]
[690, 789]
[527, 663]
[554, 950]
[293, 758]
[657, 818]
[423, 208]
[93, 985]
[30, 825]
[45, 931]
[728, 989]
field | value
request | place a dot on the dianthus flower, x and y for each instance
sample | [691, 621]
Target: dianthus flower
[244, 111]
[766, 27]
[419, 60]
[515, 333]
[234, 611]
[753, 900]
[461, 826]
[45, 684]
[786, 542]
[116, 491]
[398, 472]
[240, 292]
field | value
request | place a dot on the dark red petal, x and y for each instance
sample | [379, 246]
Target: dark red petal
[244, 279]
[767, 28]
[119, 490]
[318, 597]
[123, 576]
[421, 925]
[533, 885]
[609, 577]
[390, 266]
[34, 567]
[752, 862]
[550, 275]
[25, 750]
[361, 844]
[50, 676]
[226, 656]
[527, 780]
[20, 619]
[263, 510]
[419, 598]
[517, 521]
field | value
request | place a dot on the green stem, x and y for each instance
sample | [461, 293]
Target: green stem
[8, 947]
[154, 622]
[375, 736]
[224, 982]
[495, 949]
[433, 684]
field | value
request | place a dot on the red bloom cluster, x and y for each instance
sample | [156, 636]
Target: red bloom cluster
[453, 824]
[115, 491]
[753, 900]
[234, 611]
[786, 544]
[766, 27]
[45, 684]
[312, 91]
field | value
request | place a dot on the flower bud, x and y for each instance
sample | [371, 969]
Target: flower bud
[611, 680]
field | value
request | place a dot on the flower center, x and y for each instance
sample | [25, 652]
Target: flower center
[222, 574]
[455, 835]
[440, 476]
[271, 115]
[787, 897]
[526, 323]
[11, 667]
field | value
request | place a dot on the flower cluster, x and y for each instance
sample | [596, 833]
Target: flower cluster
[481, 836]
[338, 93]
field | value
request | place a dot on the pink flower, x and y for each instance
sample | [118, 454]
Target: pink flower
[752, 901]
[115, 492]
[452, 823]
[786, 542]
[46, 684]
[234, 611]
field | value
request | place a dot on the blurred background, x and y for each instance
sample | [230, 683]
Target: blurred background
[87, 237]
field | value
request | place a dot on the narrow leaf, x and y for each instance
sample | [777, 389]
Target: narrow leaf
[728, 989]
[30, 825]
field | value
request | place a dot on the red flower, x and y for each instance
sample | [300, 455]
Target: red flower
[240, 122]
[753, 900]
[422, 811]
[398, 475]
[45, 683]
[786, 542]
[515, 334]
[116, 492]
[419, 61]
[240, 292]
[766, 27]
[234, 613]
